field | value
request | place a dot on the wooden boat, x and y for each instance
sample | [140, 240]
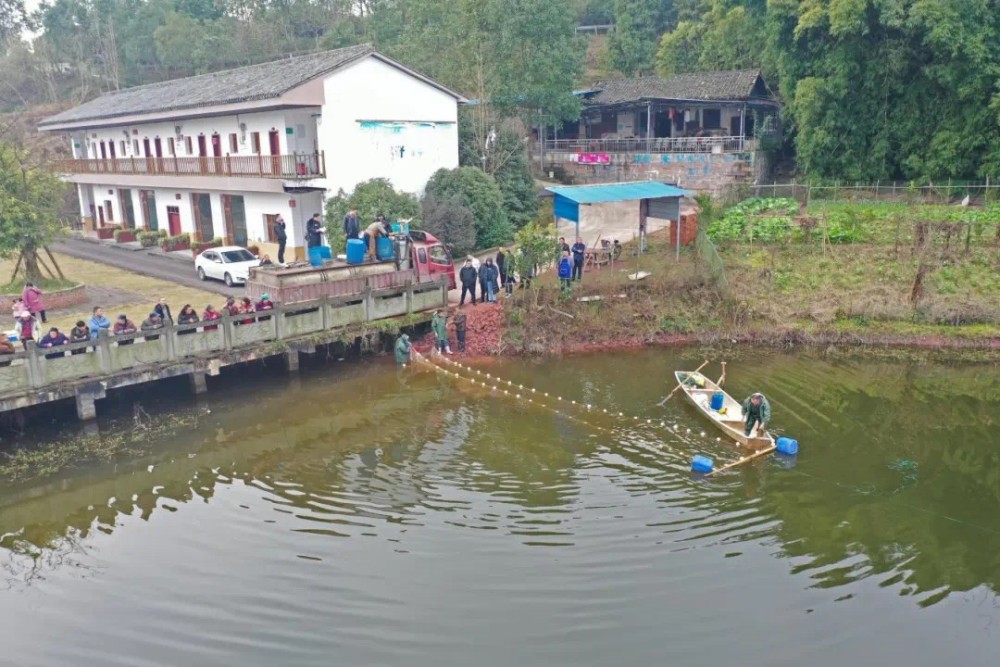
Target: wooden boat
[699, 390]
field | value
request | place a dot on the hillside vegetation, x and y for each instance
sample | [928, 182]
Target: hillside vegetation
[895, 89]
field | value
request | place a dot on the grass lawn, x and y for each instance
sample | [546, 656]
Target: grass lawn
[129, 293]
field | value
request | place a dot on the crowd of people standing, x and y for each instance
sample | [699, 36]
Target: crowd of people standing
[27, 327]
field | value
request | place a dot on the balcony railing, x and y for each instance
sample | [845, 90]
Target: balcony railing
[287, 167]
[656, 145]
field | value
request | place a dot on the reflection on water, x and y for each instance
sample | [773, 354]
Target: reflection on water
[386, 519]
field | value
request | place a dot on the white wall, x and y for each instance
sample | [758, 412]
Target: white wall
[257, 205]
[378, 121]
[261, 122]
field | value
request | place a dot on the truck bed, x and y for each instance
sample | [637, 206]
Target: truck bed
[334, 279]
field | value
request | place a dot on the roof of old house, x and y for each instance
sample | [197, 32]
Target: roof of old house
[695, 86]
[244, 84]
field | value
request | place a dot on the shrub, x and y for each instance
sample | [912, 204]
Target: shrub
[149, 239]
[179, 242]
[450, 220]
[198, 246]
[481, 194]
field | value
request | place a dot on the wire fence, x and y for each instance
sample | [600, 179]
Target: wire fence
[973, 193]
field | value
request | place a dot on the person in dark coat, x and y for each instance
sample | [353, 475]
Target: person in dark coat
[54, 338]
[352, 227]
[152, 323]
[488, 281]
[501, 264]
[79, 334]
[579, 251]
[467, 276]
[281, 235]
[187, 316]
[314, 231]
[163, 310]
[460, 322]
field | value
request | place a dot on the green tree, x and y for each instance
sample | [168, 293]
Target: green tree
[370, 198]
[30, 202]
[536, 248]
[503, 154]
[515, 54]
[450, 220]
[873, 90]
[638, 26]
[481, 194]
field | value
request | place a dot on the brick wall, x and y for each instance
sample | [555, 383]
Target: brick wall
[702, 172]
[52, 300]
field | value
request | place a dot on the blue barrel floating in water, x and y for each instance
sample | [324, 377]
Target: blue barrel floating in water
[383, 248]
[701, 464]
[355, 251]
[718, 399]
[788, 446]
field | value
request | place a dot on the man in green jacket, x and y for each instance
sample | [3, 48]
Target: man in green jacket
[403, 350]
[756, 410]
[439, 325]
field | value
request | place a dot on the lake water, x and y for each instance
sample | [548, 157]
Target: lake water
[359, 516]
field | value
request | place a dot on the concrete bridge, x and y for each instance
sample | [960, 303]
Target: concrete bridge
[86, 371]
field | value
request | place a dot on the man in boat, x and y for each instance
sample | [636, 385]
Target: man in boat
[756, 411]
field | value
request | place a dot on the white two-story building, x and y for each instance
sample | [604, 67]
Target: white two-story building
[222, 154]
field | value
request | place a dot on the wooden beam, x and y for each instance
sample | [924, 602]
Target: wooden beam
[743, 460]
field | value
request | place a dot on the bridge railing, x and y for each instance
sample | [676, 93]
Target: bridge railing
[36, 368]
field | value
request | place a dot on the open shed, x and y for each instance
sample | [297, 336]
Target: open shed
[660, 201]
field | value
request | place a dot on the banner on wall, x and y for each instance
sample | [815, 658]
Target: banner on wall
[592, 158]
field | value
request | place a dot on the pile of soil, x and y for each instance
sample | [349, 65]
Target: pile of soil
[484, 325]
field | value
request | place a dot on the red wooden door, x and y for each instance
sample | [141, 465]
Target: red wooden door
[275, 145]
[202, 153]
[100, 215]
[145, 147]
[174, 220]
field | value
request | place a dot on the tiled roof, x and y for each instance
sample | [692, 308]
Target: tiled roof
[244, 84]
[735, 85]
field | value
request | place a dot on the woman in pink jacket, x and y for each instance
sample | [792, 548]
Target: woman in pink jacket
[33, 301]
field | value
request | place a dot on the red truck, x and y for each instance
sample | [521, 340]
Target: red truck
[419, 259]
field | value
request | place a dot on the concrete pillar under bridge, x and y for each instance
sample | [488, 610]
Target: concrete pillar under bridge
[86, 401]
[199, 382]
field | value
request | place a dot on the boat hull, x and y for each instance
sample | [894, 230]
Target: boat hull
[727, 419]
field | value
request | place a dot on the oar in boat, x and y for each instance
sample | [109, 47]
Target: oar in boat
[661, 403]
[722, 378]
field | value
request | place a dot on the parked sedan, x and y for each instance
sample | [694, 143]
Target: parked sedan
[230, 264]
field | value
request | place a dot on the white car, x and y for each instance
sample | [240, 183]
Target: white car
[230, 264]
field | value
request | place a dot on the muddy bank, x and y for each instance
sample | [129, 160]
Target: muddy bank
[509, 330]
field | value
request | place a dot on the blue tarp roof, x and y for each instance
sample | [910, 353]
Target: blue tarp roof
[594, 194]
